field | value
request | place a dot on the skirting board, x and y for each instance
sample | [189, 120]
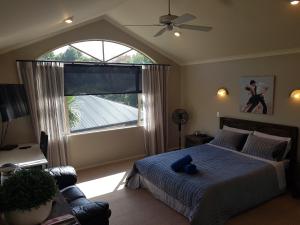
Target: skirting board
[119, 160]
[111, 162]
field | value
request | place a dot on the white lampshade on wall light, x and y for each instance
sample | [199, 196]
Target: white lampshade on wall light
[295, 94]
[222, 92]
[294, 2]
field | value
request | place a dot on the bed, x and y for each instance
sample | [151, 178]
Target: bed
[228, 181]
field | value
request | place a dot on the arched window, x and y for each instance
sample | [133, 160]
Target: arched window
[97, 51]
[90, 112]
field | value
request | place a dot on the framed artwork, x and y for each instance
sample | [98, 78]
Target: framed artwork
[257, 94]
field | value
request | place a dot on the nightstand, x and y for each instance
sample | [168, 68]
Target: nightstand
[192, 140]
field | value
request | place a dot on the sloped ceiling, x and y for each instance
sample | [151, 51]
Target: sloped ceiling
[241, 27]
[25, 21]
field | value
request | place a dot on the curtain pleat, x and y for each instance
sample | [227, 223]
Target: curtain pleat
[155, 108]
[44, 84]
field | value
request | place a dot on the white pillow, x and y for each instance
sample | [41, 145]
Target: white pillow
[241, 131]
[274, 137]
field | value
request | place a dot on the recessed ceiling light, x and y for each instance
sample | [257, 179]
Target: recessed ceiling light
[69, 20]
[177, 34]
[294, 2]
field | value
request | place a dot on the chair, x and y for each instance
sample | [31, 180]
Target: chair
[44, 143]
[87, 212]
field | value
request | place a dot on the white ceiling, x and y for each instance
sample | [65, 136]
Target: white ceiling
[241, 27]
[28, 20]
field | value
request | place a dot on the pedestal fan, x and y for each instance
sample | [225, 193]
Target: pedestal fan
[180, 117]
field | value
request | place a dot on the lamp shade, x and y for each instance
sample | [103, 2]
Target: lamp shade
[295, 94]
[294, 2]
[222, 92]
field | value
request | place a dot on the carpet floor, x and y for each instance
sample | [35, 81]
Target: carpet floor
[138, 207]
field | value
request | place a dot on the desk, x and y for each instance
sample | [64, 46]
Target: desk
[29, 157]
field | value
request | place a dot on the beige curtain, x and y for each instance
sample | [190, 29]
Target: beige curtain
[155, 108]
[44, 83]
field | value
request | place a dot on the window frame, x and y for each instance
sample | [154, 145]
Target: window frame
[103, 53]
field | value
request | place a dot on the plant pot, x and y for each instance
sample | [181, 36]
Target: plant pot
[32, 216]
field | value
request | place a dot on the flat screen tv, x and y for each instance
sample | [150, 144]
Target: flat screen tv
[13, 101]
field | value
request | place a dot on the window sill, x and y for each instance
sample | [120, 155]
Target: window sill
[103, 130]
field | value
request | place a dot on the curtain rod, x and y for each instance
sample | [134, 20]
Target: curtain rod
[97, 63]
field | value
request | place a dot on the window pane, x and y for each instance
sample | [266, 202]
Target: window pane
[93, 48]
[54, 55]
[132, 57]
[61, 50]
[112, 50]
[91, 111]
[67, 53]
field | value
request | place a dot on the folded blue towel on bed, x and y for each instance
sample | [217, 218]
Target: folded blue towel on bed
[178, 166]
[190, 169]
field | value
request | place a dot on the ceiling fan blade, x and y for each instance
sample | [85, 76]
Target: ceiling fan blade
[183, 19]
[161, 32]
[144, 25]
[194, 27]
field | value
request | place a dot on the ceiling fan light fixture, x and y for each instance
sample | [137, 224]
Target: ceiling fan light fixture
[294, 2]
[169, 22]
[177, 34]
[69, 20]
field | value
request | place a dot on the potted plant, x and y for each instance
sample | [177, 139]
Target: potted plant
[26, 197]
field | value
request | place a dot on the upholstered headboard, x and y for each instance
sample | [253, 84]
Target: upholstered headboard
[268, 128]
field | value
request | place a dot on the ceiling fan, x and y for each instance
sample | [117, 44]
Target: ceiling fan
[169, 21]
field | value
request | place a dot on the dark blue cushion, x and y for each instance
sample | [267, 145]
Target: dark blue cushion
[178, 166]
[190, 169]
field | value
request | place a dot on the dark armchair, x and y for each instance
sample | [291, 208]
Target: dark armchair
[87, 212]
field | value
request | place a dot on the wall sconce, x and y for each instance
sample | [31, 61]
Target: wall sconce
[294, 2]
[295, 94]
[69, 20]
[222, 92]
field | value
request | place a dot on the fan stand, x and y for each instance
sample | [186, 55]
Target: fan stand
[179, 129]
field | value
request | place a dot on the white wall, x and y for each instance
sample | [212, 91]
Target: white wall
[106, 146]
[201, 82]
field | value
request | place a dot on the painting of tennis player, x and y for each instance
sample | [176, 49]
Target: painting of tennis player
[257, 94]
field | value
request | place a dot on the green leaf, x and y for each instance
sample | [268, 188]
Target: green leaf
[26, 189]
